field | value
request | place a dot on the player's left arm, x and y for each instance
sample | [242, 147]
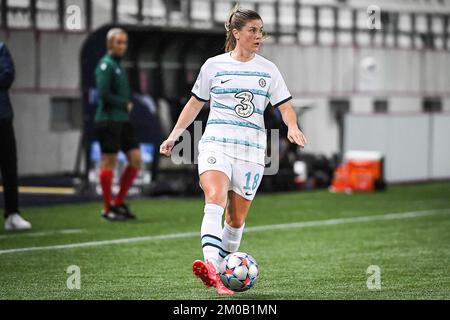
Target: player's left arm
[290, 119]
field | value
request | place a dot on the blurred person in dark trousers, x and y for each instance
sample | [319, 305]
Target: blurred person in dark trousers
[113, 127]
[8, 152]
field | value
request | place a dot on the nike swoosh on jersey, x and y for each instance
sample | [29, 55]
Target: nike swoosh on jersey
[224, 81]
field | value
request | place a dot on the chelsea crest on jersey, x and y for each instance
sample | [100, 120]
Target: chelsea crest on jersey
[238, 93]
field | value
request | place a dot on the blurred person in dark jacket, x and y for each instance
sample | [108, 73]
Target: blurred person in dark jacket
[8, 152]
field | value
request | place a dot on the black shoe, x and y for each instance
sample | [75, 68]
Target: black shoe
[113, 216]
[123, 210]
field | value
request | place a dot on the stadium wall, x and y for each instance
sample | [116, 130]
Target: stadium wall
[47, 67]
[415, 146]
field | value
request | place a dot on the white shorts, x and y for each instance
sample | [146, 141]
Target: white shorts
[245, 177]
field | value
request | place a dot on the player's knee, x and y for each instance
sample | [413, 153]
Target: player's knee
[215, 196]
[135, 161]
[108, 162]
[106, 165]
[237, 222]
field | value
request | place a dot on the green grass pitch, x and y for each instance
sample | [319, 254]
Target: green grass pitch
[309, 261]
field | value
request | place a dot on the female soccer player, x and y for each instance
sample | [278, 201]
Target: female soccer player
[239, 85]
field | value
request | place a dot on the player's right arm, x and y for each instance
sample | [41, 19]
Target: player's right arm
[187, 116]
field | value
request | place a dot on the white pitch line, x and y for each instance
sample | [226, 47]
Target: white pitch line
[387, 216]
[305, 224]
[41, 233]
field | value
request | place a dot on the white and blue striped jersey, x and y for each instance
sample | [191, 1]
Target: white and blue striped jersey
[238, 93]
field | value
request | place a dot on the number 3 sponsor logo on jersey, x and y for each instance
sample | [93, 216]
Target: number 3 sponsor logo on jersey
[246, 108]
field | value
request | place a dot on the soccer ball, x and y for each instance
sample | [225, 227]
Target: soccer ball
[239, 271]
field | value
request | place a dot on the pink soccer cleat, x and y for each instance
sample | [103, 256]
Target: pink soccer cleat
[206, 272]
[209, 276]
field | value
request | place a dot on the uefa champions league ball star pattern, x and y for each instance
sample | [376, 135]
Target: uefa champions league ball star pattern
[239, 271]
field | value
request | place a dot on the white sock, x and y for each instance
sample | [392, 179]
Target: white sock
[211, 232]
[231, 240]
